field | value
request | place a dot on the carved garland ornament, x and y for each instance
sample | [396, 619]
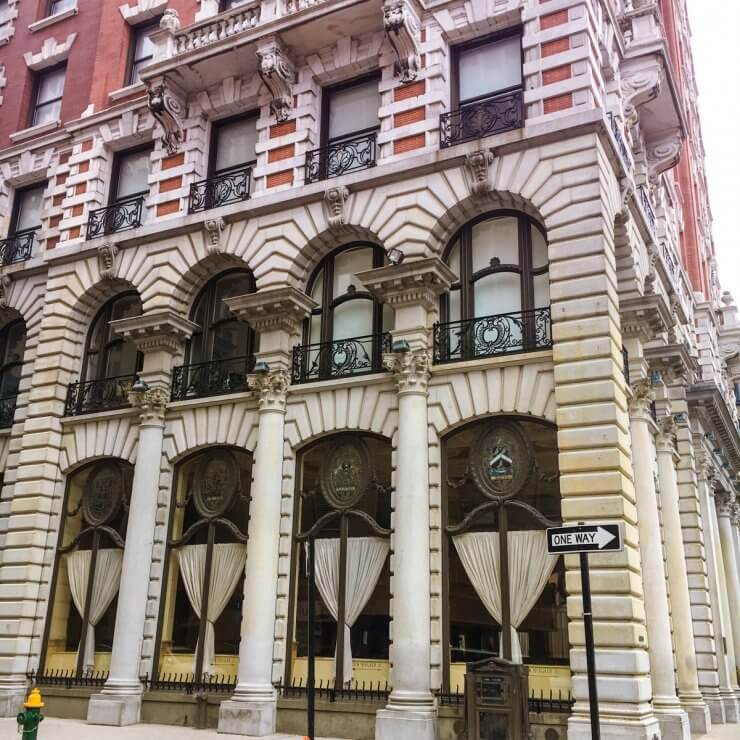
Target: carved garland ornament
[278, 74]
[169, 111]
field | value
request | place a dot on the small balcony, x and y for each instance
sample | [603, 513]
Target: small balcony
[7, 411]
[624, 151]
[647, 207]
[341, 358]
[491, 115]
[215, 378]
[492, 336]
[341, 158]
[17, 248]
[230, 187]
[106, 394]
[120, 216]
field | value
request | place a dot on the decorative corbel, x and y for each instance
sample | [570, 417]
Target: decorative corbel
[168, 107]
[402, 29]
[639, 87]
[278, 74]
[213, 228]
[5, 282]
[107, 253]
[334, 200]
[478, 165]
[663, 154]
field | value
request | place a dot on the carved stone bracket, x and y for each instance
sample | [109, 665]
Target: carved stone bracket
[167, 105]
[213, 228]
[411, 370]
[478, 165]
[639, 87]
[271, 389]
[278, 309]
[334, 200]
[402, 29]
[107, 263]
[664, 153]
[278, 74]
[152, 404]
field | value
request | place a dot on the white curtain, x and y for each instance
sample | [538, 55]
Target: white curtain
[105, 586]
[227, 566]
[365, 559]
[530, 567]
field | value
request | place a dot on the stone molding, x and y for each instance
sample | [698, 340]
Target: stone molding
[52, 52]
[411, 370]
[107, 253]
[161, 331]
[478, 167]
[401, 26]
[279, 309]
[334, 202]
[143, 10]
[167, 105]
[271, 389]
[663, 153]
[151, 403]
[278, 73]
[213, 228]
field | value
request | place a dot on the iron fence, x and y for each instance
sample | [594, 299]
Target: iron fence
[353, 691]
[7, 410]
[189, 683]
[619, 139]
[647, 207]
[213, 378]
[220, 190]
[491, 115]
[68, 679]
[339, 158]
[106, 394]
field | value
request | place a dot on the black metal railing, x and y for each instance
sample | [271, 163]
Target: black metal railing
[626, 365]
[647, 207]
[17, 248]
[340, 358]
[538, 702]
[491, 115]
[68, 678]
[120, 216]
[339, 158]
[353, 691]
[213, 378]
[488, 336]
[189, 683]
[220, 190]
[106, 394]
[7, 410]
[619, 139]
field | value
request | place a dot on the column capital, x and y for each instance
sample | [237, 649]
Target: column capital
[152, 404]
[642, 397]
[725, 503]
[271, 389]
[736, 514]
[665, 439]
[157, 331]
[411, 370]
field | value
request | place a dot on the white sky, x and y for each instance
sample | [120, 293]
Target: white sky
[716, 47]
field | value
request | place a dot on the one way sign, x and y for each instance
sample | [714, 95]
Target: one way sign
[585, 538]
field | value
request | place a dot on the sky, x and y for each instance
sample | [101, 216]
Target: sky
[716, 47]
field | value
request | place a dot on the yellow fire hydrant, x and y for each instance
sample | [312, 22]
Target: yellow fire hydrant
[28, 721]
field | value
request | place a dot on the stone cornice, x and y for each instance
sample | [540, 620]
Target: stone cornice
[673, 361]
[707, 396]
[156, 331]
[645, 316]
[277, 309]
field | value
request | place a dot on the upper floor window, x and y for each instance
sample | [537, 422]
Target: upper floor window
[142, 49]
[130, 174]
[59, 6]
[49, 88]
[225, 5]
[26, 215]
[4, 15]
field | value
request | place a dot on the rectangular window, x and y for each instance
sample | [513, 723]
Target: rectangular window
[142, 50]
[489, 68]
[234, 144]
[4, 15]
[26, 214]
[130, 175]
[352, 110]
[225, 5]
[59, 6]
[48, 96]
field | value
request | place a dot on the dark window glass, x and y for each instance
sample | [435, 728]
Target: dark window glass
[59, 6]
[229, 4]
[142, 49]
[12, 347]
[131, 172]
[27, 209]
[4, 14]
[352, 109]
[234, 144]
[489, 68]
[48, 98]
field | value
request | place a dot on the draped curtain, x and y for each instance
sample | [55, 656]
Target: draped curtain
[227, 566]
[365, 559]
[530, 567]
[107, 578]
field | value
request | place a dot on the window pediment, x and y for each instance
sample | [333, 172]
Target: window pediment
[52, 52]
[144, 10]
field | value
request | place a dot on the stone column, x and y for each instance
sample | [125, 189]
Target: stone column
[674, 722]
[276, 315]
[159, 336]
[678, 582]
[725, 504]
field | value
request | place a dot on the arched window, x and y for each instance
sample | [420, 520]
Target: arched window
[221, 351]
[501, 491]
[344, 510]
[12, 347]
[79, 631]
[344, 332]
[500, 301]
[110, 363]
[205, 564]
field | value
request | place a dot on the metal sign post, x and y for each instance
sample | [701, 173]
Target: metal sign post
[582, 539]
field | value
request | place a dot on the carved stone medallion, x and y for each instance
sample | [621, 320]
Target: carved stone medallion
[103, 494]
[501, 460]
[345, 473]
[216, 483]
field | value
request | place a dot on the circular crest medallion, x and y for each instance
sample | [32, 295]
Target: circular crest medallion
[345, 473]
[216, 483]
[501, 460]
[103, 494]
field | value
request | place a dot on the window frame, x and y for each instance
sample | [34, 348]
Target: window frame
[16, 210]
[326, 95]
[50, 12]
[216, 126]
[4, 337]
[8, 20]
[37, 77]
[113, 197]
[131, 60]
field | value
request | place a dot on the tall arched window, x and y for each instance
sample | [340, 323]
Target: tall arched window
[79, 630]
[12, 347]
[344, 332]
[205, 564]
[221, 351]
[110, 363]
[500, 301]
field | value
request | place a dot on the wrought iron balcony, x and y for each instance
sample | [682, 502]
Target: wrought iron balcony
[341, 358]
[106, 394]
[491, 115]
[17, 248]
[230, 187]
[120, 216]
[619, 139]
[489, 336]
[213, 378]
[647, 207]
[357, 153]
[7, 411]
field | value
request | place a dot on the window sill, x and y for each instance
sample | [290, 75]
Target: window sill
[42, 128]
[125, 92]
[51, 19]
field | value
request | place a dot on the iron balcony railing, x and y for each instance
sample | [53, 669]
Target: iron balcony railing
[647, 207]
[106, 394]
[489, 336]
[68, 678]
[339, 158]
[120, 216]
[619, 139]
[17, 248]
[340, 358]
[220, 190]
[491, 115]
[188, 683]
[214, 378]
[7, 410]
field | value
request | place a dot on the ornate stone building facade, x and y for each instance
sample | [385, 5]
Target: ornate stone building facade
[392, 285]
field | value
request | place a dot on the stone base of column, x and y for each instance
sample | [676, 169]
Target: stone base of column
[716, 708]
[254, 717]
[405, 724]
[11, 701]
[674, 723]
[729, 703]
[700, 719]
[116, 710]
[579, 728]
